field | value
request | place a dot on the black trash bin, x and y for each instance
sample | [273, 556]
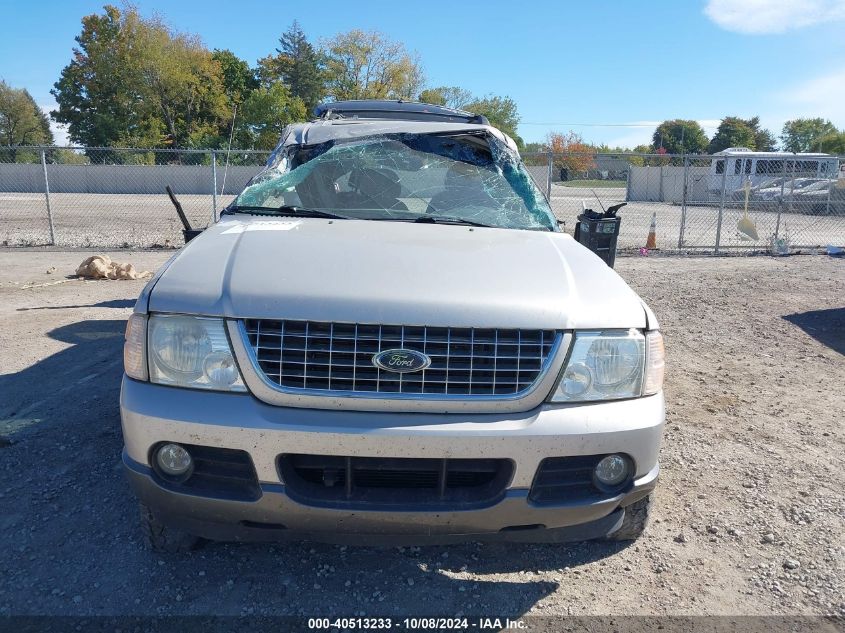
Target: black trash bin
[599, 232]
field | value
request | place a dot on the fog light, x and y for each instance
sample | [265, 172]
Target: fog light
[173, 460]
[612, 470]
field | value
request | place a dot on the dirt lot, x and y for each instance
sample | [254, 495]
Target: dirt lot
[749, 512]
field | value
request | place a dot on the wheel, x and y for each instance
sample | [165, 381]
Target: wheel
[163, 538]
[635, 521]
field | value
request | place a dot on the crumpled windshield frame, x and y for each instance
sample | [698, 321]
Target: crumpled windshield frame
[470, 175]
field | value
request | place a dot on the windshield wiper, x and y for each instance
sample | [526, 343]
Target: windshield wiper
[445, 219]
[286, 210]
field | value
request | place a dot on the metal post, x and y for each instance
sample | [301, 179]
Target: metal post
[661, 195]
[721, 206]
[792, 186]
[782, 192]
[47, 196]
[213, 186]
[684, 204]
[549, 179]
[780, 200]
[830, 187]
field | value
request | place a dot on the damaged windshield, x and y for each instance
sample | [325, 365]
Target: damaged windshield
[473, 178]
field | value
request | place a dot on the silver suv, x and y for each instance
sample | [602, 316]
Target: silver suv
[387, 339]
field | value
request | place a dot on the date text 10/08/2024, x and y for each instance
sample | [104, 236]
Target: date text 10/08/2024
[411, 623]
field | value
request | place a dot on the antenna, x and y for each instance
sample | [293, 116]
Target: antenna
[599, 199]
[229, 148]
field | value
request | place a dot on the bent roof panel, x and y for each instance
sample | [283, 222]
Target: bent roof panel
[316, 132]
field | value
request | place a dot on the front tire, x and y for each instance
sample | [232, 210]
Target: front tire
[635, 521]
[163, 538]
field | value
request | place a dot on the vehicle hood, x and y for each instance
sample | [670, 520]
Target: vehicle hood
[394, 272]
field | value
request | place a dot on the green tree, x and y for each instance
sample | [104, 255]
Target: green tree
[803, 135]
[95, 90]
[604, 148]
[368, 65]
[535, 153]
[449, 96]
[732, 132]
[239, 79]
[679, 136]
[833, 143]
[640, 161]
[70, 157]
[535, 147]
[500, 111]
[21, 120]
[183, 84]
[764, 140]
[298, 64]
[264, 115]
[135, 81]
[432, 96]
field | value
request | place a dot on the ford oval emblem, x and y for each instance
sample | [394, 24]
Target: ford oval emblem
[401, 360]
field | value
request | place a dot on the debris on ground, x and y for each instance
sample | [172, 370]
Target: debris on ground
[779, 245]
[102, 267]
[28, 286]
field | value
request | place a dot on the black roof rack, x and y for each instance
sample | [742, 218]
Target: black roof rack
[398, 109]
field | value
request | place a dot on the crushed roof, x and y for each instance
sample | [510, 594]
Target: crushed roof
[321, 131]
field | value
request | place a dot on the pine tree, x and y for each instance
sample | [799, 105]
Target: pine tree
[298, 65]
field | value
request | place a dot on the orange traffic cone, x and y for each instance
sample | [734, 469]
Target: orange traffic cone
[651, 241]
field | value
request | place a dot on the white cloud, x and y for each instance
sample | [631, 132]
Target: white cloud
[820, 96]
[826, 92]
[772, 16]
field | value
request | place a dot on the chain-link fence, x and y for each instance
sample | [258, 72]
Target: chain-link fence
[107, 197]
[698, 202]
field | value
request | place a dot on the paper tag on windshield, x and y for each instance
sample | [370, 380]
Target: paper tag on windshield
[282, 225]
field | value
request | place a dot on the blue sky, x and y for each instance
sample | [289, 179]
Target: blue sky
[567, 64]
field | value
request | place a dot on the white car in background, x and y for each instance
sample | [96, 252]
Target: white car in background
[781, 191]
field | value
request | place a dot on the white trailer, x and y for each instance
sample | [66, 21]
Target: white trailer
[730, 168]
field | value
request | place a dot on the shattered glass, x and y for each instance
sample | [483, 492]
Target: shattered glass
[472, 177]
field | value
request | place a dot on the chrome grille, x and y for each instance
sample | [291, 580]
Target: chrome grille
[337, 358]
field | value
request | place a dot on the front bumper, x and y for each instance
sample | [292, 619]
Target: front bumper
[152, 414]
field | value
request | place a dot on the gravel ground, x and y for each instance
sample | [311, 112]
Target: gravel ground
[749, 511]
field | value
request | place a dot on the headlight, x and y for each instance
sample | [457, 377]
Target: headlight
[188, 351]
[611, 365]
